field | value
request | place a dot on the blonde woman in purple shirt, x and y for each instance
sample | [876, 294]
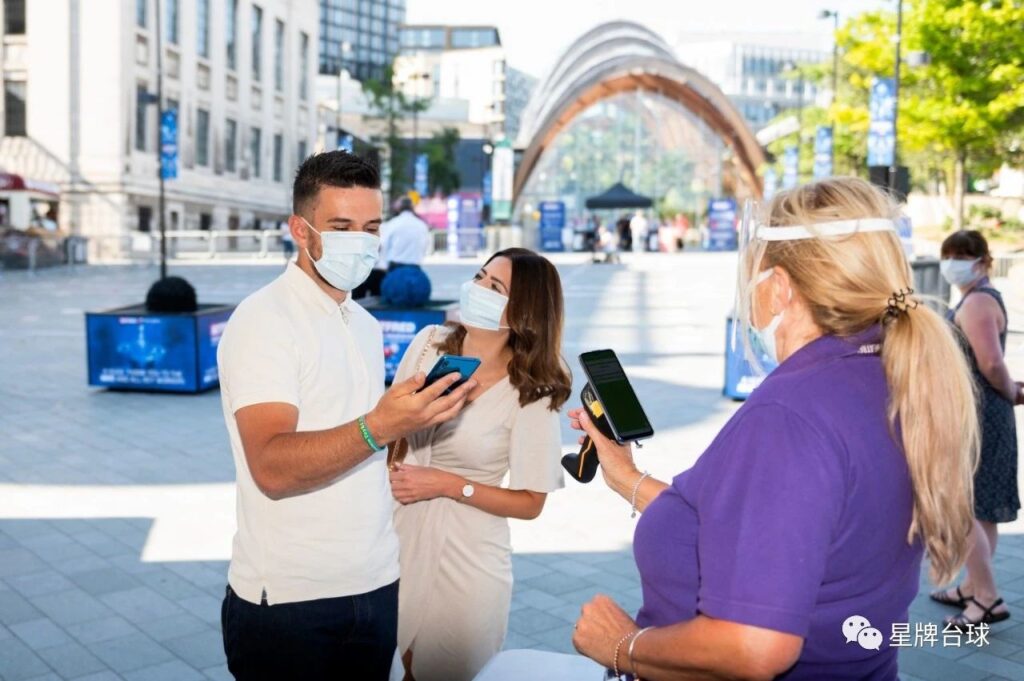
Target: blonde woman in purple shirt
[795, 542]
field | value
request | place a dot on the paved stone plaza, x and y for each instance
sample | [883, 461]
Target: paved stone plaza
[116, 509]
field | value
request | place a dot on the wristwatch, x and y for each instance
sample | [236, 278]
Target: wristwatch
[467, 491]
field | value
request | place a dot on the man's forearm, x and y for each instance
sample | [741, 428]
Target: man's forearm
[297, 463]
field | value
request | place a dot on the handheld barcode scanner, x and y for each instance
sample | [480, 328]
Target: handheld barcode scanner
[583, 466]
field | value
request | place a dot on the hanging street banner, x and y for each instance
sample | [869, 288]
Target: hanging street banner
[771, 183]
[823, 152]
[346, 143]
[552, 222]
[169, 144]
[790, 167]
[882, 130]
[502, 178]
[422, 166]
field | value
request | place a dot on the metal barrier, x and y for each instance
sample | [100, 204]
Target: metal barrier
[929, 282]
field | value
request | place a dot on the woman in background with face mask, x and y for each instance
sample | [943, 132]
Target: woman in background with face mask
[794, 544]
[456, 583]
[981, 317]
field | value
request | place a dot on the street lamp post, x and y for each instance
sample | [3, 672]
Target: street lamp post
[416, 78]
[346, 47]
[159, 141]
[898, 38]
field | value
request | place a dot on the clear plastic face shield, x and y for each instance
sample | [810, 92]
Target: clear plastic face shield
[754, 270]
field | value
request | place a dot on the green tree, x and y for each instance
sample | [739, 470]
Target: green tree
[389, 105]
[443, 173]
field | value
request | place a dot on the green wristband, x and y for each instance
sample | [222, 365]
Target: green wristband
[367, 435]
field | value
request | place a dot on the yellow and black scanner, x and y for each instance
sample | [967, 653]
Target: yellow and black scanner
[583, 466]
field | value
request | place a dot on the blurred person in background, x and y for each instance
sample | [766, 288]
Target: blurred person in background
[981, 318]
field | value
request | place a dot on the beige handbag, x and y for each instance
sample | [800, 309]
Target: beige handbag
[398, 450]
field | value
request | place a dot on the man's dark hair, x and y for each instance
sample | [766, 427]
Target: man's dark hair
[331, 169]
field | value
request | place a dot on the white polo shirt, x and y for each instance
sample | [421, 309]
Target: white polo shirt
[290, 342]
[405, 239]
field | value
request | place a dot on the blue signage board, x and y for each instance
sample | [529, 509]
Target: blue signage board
[400, 326]
[552, 222]
[882, 129]
[488, 186]
[823, 152]
[346, 143]
[422, 167]
[771, 183]
[790, 167]
[722, 225]
[740, 377]
[169, 144]
[465, 237]
[130, 348]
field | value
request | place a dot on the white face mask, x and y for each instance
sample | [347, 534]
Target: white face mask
[763, 340]
[959, 272]
[481, 307]
[346, 258]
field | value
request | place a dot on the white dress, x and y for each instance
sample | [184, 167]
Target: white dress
[456, 584]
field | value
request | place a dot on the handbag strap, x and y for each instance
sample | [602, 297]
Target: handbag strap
[426, 347]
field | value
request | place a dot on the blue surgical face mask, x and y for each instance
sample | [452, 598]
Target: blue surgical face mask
[481, 307]
[346, 258]
[959, 272]
[763, 340]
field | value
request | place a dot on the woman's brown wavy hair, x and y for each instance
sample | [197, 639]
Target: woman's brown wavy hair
[536, 312]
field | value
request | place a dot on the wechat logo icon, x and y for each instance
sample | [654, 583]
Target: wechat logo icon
[858, 629]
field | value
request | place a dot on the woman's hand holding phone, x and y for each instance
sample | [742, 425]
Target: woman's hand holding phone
[409, 406]
[617, 465]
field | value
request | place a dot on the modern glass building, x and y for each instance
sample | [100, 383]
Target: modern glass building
[368, 27]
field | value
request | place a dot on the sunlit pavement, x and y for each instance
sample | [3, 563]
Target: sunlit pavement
[116, 509]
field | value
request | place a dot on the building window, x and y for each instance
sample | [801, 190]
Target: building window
[279, 55]
[205, 221]
[14, 109]
[304, 65]
[202, 137]
[303, 152]
[230, 144]
[171, 30]
[141, 113]
[203, 28]
[145, 218]
[232, 34]
[255, 148]
[257, 33]
[14, 17]
[278, 157]
[141, 12]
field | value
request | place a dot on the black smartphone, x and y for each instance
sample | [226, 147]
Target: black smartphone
[621, 406]
[451, 364]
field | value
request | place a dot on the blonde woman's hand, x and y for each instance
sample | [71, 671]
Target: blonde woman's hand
[601, 626]
[617, 465]
[410, 483]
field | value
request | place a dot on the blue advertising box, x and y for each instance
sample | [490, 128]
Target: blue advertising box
[740, 377]
[130, 348]
[722, 225]
[400, 325]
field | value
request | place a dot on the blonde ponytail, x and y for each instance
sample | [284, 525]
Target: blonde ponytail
[848, 283]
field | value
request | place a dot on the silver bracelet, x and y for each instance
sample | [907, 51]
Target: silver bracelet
[629, 653]
[636, 488]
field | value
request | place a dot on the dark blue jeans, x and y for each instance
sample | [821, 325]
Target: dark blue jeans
[352, 637]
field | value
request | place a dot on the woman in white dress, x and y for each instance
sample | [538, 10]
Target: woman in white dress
[452, 516]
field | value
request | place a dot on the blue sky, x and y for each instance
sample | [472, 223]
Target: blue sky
[535, 31]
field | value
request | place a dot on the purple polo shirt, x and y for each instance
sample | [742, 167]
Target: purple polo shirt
[795, 518]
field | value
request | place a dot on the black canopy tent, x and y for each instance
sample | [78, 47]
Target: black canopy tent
[618, 196]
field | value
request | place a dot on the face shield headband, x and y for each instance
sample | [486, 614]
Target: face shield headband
[753, 239]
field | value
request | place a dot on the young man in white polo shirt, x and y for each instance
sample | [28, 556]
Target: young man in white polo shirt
[313, 582]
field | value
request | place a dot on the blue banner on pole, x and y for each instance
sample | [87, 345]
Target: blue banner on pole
[882, 130]
[790, 167]
[422, 167]
[722, 225]
[345, 143]
[552, 222]
[771, 183]
[823, 152]
[488, 186]
[169, 144]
